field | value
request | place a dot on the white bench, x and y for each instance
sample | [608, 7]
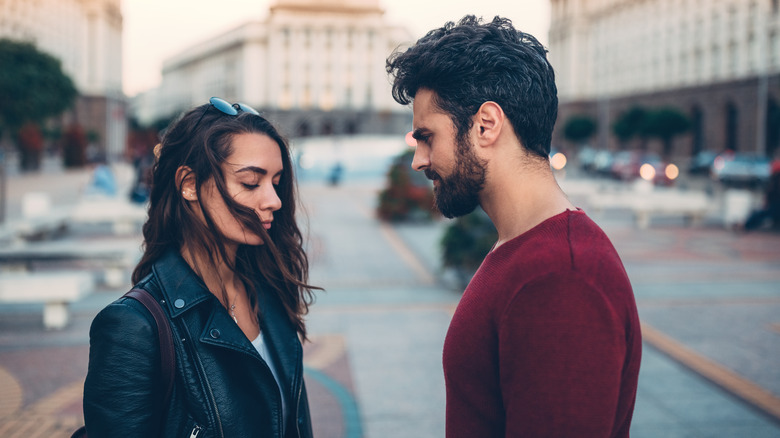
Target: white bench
[692, 206]
[124, 217]
[646, 201]
[54, 289]
[38, 219]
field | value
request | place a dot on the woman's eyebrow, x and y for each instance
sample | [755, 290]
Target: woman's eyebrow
[256, 169]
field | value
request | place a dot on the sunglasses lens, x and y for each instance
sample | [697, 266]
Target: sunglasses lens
[247, 109]
[223, 106]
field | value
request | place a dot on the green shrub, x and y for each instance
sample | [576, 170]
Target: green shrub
[466, 242]
[408, 195]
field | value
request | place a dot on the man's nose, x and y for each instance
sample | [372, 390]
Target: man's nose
[422, 159]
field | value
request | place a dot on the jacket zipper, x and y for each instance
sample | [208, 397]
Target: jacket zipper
[208, 387]
[195, 432]
[211, 396]
[297, 402]
[299, 382]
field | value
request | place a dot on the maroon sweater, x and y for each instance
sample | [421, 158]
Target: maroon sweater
[545, 341]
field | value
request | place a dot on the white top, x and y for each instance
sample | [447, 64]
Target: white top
[262, 348]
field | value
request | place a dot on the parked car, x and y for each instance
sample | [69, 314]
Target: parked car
[602, 162]
[630, 165]
[737, 169]
[701, 163]
[586, 156]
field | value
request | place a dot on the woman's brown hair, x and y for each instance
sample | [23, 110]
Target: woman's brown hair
[201, 140]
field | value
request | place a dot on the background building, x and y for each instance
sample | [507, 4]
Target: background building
[718, 61]
[86, 36]
[314, 66]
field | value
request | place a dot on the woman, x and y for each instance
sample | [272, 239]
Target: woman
[223, 254]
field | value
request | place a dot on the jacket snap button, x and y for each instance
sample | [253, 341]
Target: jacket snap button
[178, 303]
[215, 333]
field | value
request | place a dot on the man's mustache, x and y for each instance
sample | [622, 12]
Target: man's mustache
[431, 174]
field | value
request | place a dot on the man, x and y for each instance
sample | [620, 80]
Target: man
[545, 340]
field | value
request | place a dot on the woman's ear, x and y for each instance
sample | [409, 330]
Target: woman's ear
[185, 181]
[489, 122]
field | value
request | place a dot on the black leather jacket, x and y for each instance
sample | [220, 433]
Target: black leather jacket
[222, 386]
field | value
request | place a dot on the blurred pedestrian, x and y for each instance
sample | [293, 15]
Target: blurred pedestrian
[102, 182]
[223, 255]
[546, 339]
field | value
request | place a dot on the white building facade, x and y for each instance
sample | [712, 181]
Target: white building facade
[86, 36]
[317, 67]
[612, 53]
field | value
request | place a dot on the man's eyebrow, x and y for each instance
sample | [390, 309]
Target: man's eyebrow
[419, 133]
[256, 169]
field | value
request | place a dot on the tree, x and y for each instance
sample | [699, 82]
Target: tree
[33, 87]
[579, 128]
[466, 242]
[630, 124]
[665, 124]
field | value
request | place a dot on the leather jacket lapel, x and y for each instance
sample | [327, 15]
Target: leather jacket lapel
[282, 339]
[181, 288]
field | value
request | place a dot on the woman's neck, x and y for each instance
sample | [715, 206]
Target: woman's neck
[214, 270]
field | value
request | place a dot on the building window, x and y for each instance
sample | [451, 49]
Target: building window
[697, 131]
[715, 61]
[732, 119]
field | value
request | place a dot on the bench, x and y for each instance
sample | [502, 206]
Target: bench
[124, 217]
[692, 206]
[54, 289]
[113, 256]
[646, 201]
[39, 220]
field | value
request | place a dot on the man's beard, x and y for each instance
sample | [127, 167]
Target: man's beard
[458, 194]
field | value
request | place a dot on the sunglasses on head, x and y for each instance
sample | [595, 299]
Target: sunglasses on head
[228, 108]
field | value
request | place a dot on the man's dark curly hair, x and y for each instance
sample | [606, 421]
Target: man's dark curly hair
[472, 62]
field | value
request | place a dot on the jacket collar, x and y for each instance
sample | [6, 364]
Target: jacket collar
[181, 288]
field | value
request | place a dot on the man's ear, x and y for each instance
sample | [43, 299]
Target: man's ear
[185, 181]
[489, 122]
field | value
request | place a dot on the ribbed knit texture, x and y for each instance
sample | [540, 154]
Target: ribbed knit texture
[545, 341]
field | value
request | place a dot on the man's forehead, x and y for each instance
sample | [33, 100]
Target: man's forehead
[424, 108]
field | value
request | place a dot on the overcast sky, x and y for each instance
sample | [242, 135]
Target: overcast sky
[155, 29]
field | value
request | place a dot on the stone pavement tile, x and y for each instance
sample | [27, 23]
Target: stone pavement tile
[326, 410]
[736, 335]
[674, 401]
[395, 353]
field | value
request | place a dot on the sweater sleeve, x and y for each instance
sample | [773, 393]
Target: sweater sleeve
[561, 353]
[122, 390]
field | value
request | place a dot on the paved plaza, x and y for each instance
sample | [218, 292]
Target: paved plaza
[709, 301]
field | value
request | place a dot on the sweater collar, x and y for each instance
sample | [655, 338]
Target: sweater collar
[554, 225]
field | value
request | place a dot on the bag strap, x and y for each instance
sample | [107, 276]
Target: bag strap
[167, 355]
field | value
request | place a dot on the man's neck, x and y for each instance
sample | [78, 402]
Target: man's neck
[518, 199]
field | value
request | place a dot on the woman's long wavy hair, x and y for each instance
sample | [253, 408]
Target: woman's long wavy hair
[202, 140]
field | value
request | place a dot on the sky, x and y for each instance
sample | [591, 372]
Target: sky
[157, 29]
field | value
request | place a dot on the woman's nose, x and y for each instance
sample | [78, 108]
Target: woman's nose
[271, 200]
